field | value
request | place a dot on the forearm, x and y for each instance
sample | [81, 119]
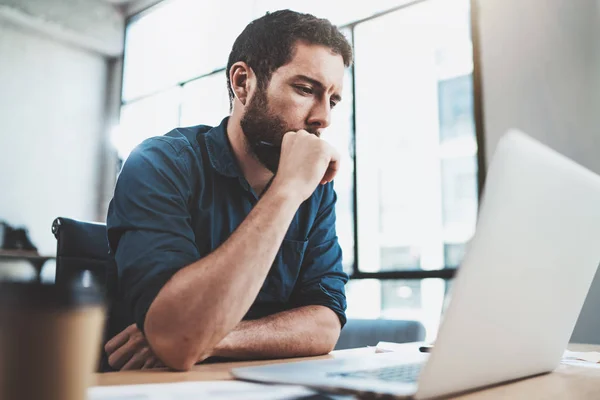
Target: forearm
[303, 331]
[201, 303]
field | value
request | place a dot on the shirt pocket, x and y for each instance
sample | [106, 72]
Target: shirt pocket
[284, 272]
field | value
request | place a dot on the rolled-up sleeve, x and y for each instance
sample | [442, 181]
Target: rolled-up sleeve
[149, 223]
[322, 278]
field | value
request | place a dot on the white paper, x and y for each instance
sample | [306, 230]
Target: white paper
[199, 390]
[389, 347]
[589, 356]
[579, 363]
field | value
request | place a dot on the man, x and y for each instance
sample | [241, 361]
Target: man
[224, 238]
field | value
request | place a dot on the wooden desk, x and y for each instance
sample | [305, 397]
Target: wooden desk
[566, 382]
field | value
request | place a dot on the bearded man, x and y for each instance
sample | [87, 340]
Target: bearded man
[223, 238]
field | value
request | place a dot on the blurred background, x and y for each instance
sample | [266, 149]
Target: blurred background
[434, 85]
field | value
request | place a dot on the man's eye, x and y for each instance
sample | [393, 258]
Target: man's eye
[332, 104]
[305, 89]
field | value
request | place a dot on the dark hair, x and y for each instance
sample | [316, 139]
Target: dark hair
[268, 42]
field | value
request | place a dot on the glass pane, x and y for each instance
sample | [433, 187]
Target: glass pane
[205, 101]
[458, 152]
[416, 147]
[419, 300]
[179, 40]
[151, 116]
[456, 111]
[339, 135]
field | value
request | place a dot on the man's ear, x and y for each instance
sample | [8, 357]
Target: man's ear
[242, 80]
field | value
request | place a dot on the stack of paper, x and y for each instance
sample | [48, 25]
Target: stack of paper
[582, 358]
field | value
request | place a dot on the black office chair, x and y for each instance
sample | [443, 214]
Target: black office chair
[83, 259]
[81, 246]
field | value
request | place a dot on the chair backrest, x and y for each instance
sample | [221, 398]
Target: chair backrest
[82, 253]
[81, 246]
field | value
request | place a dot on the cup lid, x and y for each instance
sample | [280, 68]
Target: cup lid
[36, 295]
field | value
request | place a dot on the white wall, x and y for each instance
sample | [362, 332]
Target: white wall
[541, 74]
[52, 105]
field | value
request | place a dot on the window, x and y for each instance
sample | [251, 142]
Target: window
[205, 101]
[150, 116]
[407, 192]
[339, 135]
[179, 40]
[416, 164]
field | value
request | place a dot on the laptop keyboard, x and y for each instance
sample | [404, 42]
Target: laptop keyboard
[405, 373]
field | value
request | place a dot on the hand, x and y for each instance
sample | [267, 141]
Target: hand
[129, 350]
[306, 160]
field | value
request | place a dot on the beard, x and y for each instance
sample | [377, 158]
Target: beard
[260, 125]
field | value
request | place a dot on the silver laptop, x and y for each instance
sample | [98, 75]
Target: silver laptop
[516, 297]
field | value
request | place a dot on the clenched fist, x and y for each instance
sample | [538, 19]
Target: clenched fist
[306, 160]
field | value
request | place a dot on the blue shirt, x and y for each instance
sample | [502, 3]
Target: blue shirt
[181, 195]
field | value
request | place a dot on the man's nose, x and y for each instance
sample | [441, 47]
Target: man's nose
[320, 117]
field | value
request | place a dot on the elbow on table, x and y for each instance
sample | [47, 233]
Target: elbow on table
[176, 350]
[329, 345]
[327, 340]
[173, 352]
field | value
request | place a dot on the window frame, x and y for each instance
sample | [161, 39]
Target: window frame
[449, 271]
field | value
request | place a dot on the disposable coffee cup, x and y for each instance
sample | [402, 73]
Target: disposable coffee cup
[50, 340]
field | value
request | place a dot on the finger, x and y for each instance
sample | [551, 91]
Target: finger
[150, 363]
[153, 362]
[289, 135]
[116, 342]
[124, 353]
[138, 360]
[333, 168]
[157, 363]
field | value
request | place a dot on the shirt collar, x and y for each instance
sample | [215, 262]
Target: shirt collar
[220, 151]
